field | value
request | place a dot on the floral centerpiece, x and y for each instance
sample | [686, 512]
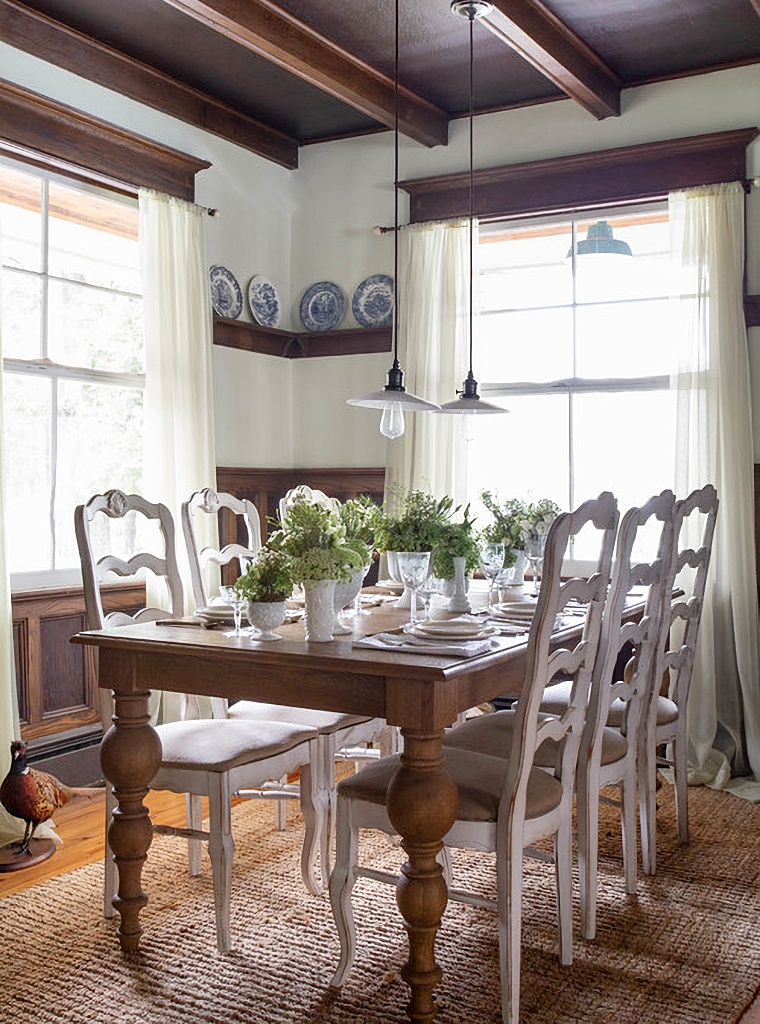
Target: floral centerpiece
[456, 540]
[538, 517]
[417, 527]
[268, 578]
[313, 535]
[265, 585]
[507, 525]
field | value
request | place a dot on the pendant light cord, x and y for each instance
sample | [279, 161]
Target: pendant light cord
[395, 192]
[471, 20]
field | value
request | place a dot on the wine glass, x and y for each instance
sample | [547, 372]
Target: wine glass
[535, 544]
[231, 597]
[491, 564]
[431, 585]
[414, 569]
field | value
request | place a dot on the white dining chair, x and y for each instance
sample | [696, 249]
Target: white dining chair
[694, 523]
[199, 757]
[505, 803]
[609, 755]
[342, 736]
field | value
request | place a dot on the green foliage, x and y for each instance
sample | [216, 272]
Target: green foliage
[269, 577]
[515, 519]
[313, 535]
[360, 517]
[539, 516]
[419, 525]
[506, 528]
[457, 540]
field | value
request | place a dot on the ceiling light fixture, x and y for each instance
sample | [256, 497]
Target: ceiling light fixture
[394, 399]
[599, 240]
[469, 401]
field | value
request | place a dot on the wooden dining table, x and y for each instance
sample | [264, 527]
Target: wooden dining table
[421, 694]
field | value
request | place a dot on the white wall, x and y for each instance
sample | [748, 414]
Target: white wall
[315, 224]
[352, 180]
[253, 235]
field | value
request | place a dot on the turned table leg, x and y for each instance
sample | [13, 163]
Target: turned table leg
[130, 756]
[422, 805]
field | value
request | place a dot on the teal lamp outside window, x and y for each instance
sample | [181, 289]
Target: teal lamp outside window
[600, 241]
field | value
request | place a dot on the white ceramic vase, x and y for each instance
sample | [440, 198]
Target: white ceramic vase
[345, 594]
[319, 610]
[266, 616]
[456, 589]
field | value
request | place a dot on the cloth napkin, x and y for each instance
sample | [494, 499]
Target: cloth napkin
[412, 645]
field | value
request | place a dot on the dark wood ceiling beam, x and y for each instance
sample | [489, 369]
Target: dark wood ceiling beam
[272, 33]
[551, 47]
[66, 48]
[49, 134]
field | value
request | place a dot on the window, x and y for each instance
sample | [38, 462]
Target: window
[580, 347]
[73, 361]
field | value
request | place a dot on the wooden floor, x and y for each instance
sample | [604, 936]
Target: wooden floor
[80, 824]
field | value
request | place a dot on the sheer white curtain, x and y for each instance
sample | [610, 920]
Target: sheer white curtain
[433, 290]
[10, 828]
[179, 455]
[714, 445]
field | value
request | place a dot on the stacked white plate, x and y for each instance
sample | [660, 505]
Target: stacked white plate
[216, 613]
[518, 612]
[451, 629]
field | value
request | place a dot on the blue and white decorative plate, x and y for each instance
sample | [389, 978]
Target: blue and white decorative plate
[372, 302]
[226, 297]
[264, 301]
[322, 306]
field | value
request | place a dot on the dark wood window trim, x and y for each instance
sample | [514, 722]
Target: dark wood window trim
[48, 134]
[295, 345]
[625, 175]
[586, 180]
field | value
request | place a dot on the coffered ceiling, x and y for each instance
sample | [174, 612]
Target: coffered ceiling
[275, 76]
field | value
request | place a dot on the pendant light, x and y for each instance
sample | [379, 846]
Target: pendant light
[600, 241]
[469, 401]
[394, 399]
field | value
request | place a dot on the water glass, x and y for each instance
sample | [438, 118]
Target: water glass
[231, 597]
[414, 569]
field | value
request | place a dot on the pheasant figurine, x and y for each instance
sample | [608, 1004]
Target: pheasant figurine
[32, 795]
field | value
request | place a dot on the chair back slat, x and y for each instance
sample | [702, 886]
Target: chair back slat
[578, 662]
[115, 504]
[633, 688]
[211, 502]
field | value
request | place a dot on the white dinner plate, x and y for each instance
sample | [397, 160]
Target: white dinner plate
[452, 630]
[216, 611]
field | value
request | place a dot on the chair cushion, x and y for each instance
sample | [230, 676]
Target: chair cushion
[478, 777]
[492, 734]
[667, 711]
[218, 746]
[322, 721]
[556, 697]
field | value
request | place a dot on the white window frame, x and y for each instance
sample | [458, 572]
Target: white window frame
[43, 367]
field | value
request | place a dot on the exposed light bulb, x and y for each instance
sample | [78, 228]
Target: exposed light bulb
[467, 426]
[392, 421]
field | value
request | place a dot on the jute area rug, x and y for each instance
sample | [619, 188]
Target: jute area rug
[686, 949]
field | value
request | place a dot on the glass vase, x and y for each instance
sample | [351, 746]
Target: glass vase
[319, 610]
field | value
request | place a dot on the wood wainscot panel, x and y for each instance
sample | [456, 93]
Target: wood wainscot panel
[265, 487]
[57, 689]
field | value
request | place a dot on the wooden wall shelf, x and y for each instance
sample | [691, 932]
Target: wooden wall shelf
[271, 341]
